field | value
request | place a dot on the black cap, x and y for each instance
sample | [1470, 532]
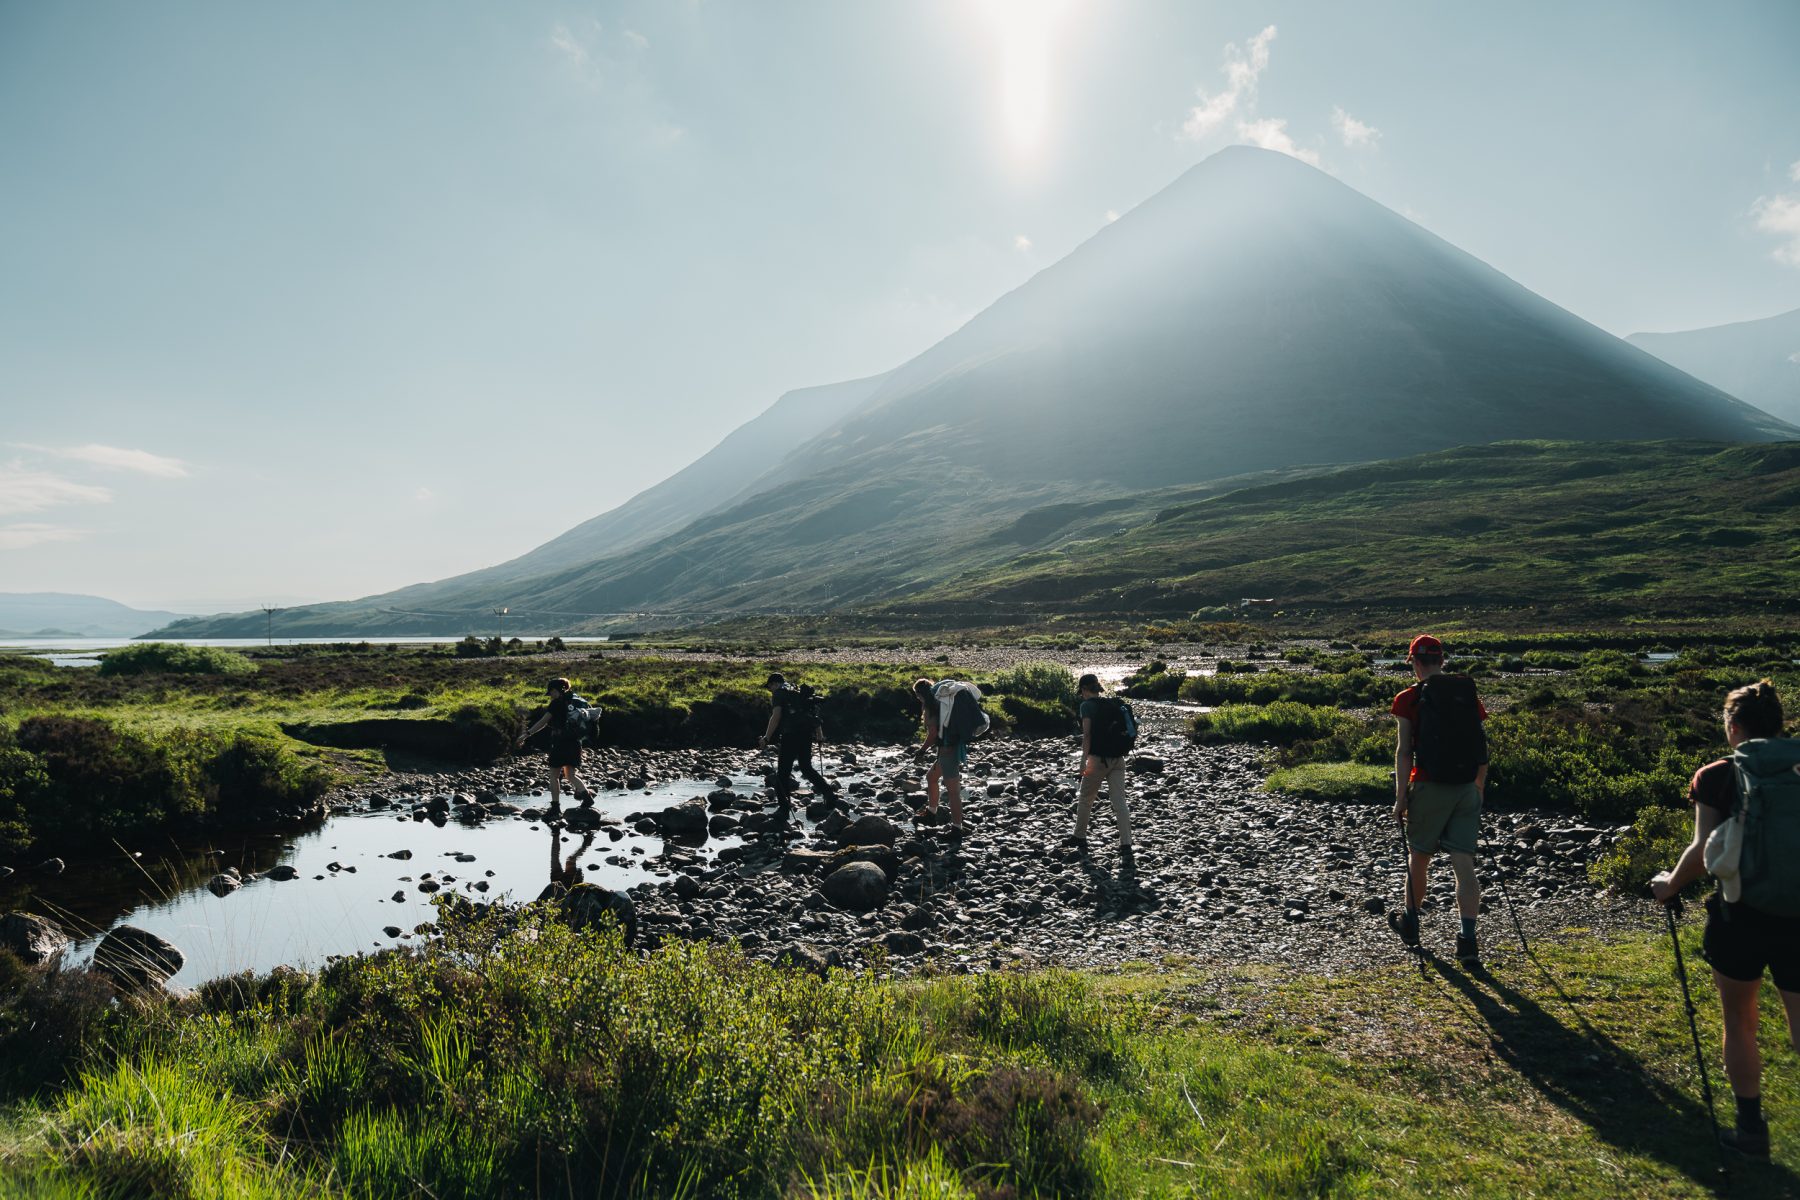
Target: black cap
[775, 680]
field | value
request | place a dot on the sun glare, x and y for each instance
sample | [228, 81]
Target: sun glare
[1025, 33]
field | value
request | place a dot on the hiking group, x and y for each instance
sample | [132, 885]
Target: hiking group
[1746, 811]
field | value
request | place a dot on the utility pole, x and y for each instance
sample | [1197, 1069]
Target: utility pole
[501, 613]
[269, 622]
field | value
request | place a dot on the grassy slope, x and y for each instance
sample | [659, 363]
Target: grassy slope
[1569, 530]
[1565, 1074]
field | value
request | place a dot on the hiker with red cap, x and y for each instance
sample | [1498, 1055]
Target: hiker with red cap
[1440, 773]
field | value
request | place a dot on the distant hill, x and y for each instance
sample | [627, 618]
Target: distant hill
[1635, 528]
[60, 614]
[1256, 315]
[1756, 361]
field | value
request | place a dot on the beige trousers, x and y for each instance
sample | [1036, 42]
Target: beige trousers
[1112, 771]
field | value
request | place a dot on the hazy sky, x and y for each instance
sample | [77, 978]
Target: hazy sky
[316, 300]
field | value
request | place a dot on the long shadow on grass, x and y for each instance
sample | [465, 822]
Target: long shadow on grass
[1589, 1076]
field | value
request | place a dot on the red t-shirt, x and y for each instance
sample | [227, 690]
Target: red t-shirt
[1406, 707]
[1715, 785]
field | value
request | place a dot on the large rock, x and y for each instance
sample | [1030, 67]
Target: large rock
[686, 820]
[222, 885]
[857, 886]
[800, 957]
[136, 958]
[33, 938]
[872, 830]
[884, 857]
[586, 905]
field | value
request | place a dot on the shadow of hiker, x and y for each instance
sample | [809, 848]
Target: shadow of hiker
[1588, 1076]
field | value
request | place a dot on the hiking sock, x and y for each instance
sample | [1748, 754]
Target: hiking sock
[1749, 1114]
[1468, 927]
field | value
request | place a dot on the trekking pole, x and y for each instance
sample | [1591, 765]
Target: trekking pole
[1512, 910]
[1687, 1001]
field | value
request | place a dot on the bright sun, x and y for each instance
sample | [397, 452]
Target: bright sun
[1026, 34]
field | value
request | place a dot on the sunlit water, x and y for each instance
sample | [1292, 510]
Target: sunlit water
[323, 912]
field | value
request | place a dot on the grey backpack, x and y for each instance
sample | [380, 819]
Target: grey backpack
[1768, 804]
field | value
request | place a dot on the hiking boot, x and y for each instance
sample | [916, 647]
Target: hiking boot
[587, 801]
[1075, 841]
[1126, 857]
[1409, 927]
[1750, 1143]
[1466, 953]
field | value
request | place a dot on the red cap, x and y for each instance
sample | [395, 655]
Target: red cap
[1425, 646]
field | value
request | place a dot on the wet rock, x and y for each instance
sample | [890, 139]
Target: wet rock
[33, 938]
[871, 830]
[1146, 764]
[222, 885]
[587, 906]
[686, 887]
[686, 820]
[282, 872]
[137, 959]
[803, 859]
[904, 942]
[722, 825]
[392, 931]
[429, 885]
[398, 897]
[884, 858]
[857, 887]
[645, 826]
[721, 800]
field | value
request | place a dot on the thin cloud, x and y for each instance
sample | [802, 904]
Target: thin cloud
[1242, 69]
[424, 495]
[117, 458]
[638, 41]
[569, 45]
[1794, 172]
[24, 490]
[1779, 216]
[1271, 134]
[1353, 131]
[25, 535]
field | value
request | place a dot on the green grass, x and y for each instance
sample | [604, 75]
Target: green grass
[513, 1057]
[1283, 722]
[1334, 782]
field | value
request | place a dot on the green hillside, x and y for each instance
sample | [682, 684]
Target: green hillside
[1612, 530]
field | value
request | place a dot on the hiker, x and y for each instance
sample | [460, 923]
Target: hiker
[1108, 732]
[567, 872]
[1440, 775]
[1741, 941]
[953, 718]
[565, 745]
[794, 726]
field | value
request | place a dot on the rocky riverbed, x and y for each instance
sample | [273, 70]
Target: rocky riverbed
[1224, 871]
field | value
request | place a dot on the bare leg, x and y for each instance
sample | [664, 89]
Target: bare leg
[1743, 1059]
[931, 786]
[1791, 1002]
[953, 789]
[555, 789]
[579, 789]
[1417, 865]
[1468, 889]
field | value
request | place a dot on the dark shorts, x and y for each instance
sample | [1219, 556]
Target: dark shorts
[565, 754]
[1741, 943]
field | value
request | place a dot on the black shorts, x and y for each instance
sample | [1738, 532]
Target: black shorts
[1741, 943]
[565, 754]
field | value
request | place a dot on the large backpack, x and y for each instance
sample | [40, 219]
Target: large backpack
[1114, 732]
[1768, 787]
[799, 714]
[966, 720]
[1451, 744]
[581, 722]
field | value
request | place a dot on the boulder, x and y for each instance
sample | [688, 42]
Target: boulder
[803, 859]
[722, 824]
[857, 886]
[282, 872]
[222, 885]
[721, 800]
[137, 959]
[685, 886]
[799, 957]
[685, 820]
[581, 818]
[872, 830]
[586, 905]
[33, 938]
[904, 942]
[1146, 764]
[884, 857]
[392, 931]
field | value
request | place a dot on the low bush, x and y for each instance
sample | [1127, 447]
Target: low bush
[1351, 689]
[256, 777]
[1154, 681]
[171, 658]
[1037, 681]
[1652, 844]
[1282, 723]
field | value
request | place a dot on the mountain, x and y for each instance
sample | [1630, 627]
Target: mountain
[59, 614]
[1634, 529]
[1256, 315]
[1756, 361]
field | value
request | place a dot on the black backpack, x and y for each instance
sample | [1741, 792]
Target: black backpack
[1451, 744]
[799, 714]
[1114, 732]
[581, 722]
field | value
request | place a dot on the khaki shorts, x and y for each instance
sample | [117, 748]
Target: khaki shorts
[951, 759]
[1444, 816]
